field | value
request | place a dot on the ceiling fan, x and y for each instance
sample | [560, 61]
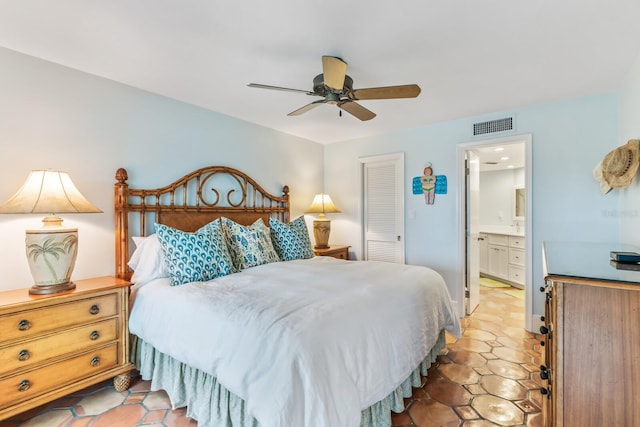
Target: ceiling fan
[336, 87]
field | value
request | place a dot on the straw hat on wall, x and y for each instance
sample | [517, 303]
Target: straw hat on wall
[618, 167]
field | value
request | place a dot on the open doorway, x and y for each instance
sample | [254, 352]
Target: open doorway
[495, 215]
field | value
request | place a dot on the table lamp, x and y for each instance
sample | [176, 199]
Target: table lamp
[322, 225]
[52, 249]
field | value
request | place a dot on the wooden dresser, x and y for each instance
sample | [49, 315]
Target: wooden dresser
[592, 338]
[53, 345]
[340, 252]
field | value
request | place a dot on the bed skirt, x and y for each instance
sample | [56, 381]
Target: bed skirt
[211, 404]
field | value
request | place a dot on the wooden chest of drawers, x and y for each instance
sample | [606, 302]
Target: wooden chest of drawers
[53, 345]
[340, 252]
[592, 368]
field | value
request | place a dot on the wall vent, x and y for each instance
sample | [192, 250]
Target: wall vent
[493, 126]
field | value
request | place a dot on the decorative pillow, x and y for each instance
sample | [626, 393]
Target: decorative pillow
[214, 229]
[291, 241]
[249, 245]
[147, 261]
[192, 257]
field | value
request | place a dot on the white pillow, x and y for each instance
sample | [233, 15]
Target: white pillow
[147, 261]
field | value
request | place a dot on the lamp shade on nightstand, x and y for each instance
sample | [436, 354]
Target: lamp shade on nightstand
[322, 205]
[52, 249]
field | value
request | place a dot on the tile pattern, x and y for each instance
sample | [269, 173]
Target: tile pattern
[489, 377]
[102, 406]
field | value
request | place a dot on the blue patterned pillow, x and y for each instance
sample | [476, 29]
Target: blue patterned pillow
[192, 257]
[249, 245]
[291, 241]
[214, 229]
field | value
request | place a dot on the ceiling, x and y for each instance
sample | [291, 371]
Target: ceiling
[501, 156]
[470, 57]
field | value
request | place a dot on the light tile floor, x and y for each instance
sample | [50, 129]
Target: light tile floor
[488, 377]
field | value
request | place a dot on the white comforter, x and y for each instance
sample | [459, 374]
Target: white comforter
[306, 342]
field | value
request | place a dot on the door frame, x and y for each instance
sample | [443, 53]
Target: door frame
[471, 224]
[530, 323]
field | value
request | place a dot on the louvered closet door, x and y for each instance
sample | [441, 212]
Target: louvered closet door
[383, 207]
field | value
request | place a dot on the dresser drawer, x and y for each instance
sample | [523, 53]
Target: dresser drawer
[27, 385]
[341, 255]
[339, 252]
[498, 239]
[28, 353]
[30, 323]
[516, 274]
[516, 257]
[517, 242]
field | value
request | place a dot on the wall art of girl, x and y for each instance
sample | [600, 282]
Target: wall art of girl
[428, 181]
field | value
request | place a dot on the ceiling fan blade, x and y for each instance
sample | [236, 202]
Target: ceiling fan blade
[306, 108]
[334, 69]
[388, 92]
[261, 86]
[356, 110]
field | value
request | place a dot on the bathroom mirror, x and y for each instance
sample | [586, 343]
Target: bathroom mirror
[518, 204]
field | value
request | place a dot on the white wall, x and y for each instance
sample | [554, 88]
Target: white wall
[568, 138]
[497, 192]
[54, 117]
[629, 210]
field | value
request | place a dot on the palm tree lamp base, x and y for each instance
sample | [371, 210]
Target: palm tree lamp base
[51, 254]
[321, 232]
[53, 289]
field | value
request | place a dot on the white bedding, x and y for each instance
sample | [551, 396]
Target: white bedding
[303, 343]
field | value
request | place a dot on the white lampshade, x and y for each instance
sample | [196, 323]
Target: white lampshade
[322, 204]
[52, 249]
[48, 192]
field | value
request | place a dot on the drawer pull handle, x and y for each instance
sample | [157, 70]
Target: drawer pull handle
[94, 335]
[24, 385]
[24, 325]
[23, 355]
[544, 375]
[544, 330]
[95, 361]
[94, 309]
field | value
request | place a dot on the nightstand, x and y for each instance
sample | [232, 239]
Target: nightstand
[53, 345]
[340, 252]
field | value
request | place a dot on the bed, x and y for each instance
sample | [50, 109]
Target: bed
[265, 334]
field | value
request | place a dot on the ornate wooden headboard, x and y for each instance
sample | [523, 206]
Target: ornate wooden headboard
[189, 203]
